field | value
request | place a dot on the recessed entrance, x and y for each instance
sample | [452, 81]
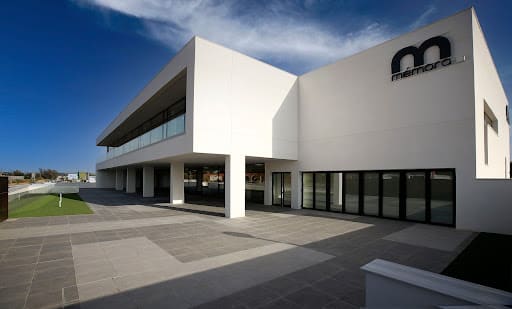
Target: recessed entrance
[205, 184]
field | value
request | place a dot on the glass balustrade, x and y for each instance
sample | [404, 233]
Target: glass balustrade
[167, 130]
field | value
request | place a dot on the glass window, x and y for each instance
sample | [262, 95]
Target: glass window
[441, 201]
[156, 134]
[352, 192]
[144, 139]
[415, 203]
[321, 191]
[336, 191]
[171, 128]
[307, 187]
[180, 124]
[371, 194]
[390, 194]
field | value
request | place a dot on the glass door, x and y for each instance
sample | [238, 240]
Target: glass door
[351, 192]
[287, 189]
[277, 184]
[282, 189]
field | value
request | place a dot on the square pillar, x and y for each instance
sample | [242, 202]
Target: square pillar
[177, 184]
[106, 179]
[235, 186]
[337, 189]
[296, 189]
[267, 196]
[130, 180]
[148, 181]
[119, 179]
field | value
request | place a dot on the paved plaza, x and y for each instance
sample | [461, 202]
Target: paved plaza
[140, 253]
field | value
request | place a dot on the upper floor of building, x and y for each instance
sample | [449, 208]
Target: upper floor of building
[429, 98]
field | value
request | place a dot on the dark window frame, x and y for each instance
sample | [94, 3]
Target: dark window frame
[402, 193]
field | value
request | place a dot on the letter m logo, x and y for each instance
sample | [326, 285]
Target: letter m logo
[418, 52]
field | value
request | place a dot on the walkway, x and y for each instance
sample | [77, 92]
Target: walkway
[136, 253]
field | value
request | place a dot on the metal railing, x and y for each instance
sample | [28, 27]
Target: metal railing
[167, 130]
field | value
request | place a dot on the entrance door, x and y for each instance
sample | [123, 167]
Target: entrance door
[282, 189]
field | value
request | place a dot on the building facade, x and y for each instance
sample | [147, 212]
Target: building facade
[414, 129]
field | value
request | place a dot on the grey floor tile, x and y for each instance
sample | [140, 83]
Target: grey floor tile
[12, 303]
[224, 302]
[100, 288]
[353, 295]
[284, 286]
[14, 294]
[280, 303]
[25, 251]
[44, 300]
[309, 298]
[13, 280]
[52, 285]
[54, 265]
[57, 255]
[108, 245]
[339, 304]
[70, 294]
[257, 296]
[22, 242]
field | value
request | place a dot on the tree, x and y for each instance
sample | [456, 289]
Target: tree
[48, 173]
[17, 173]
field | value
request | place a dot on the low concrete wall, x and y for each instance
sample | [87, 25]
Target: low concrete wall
[391, 285]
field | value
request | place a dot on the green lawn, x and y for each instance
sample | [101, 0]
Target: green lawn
[48, 205]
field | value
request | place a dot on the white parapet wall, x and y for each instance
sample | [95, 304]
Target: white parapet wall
[391, 285]
[37, 188]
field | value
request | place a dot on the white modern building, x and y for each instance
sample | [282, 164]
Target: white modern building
[415, 128]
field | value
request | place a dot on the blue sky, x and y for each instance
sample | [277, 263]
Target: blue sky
[69, 67]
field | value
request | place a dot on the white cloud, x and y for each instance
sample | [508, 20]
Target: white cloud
[423, 18]
[281, 34]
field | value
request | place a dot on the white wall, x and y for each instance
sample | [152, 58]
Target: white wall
[484, 204]
[488, 88]
[243, 104]
[353, 117]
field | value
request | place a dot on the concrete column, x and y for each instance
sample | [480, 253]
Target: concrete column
[148, 181]
[336, 188]
[177, 185]
[235, 186]
[119, 179]
[296, 189]
[267, 194]
[106, 179]
[130, 180]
